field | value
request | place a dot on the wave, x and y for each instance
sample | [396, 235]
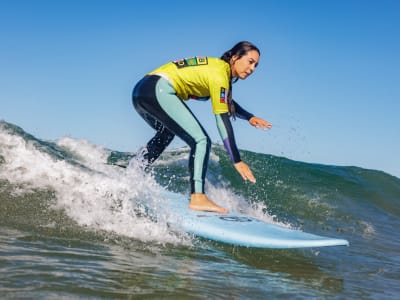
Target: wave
[72, 183]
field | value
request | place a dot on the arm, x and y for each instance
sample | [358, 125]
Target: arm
[241, 113]
[257, 122]
[226, 132]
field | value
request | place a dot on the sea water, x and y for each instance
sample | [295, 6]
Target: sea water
[73, 226]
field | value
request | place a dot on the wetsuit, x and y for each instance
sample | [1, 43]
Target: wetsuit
[159, 96]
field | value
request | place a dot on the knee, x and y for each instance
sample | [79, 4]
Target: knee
[204, 142]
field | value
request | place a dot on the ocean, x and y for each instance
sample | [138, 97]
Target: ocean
[72, 226]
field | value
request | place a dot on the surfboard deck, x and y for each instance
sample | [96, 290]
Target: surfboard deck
[240, 229]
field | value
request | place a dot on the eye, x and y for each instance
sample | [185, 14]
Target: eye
[253, 62]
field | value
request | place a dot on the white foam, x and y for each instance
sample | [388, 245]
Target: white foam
[232, 202]
[101, 196]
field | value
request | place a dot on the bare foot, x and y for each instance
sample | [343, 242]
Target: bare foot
[202, 203]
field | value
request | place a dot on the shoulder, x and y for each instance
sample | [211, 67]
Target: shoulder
[218, 62]
[219, 70]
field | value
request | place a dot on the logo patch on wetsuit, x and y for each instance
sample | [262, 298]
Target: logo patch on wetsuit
[222, 96]
[191, 62]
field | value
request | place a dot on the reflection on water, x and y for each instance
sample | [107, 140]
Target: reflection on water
[71, 226]
[121, 267]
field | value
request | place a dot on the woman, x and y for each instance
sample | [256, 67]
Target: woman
[159, 99]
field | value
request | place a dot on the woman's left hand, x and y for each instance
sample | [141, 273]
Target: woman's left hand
[260, 123]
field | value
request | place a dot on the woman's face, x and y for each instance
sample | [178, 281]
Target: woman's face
[244, 66]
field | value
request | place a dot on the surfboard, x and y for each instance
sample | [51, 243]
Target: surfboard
[239, 229]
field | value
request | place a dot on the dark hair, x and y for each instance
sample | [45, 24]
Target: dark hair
[239, 49]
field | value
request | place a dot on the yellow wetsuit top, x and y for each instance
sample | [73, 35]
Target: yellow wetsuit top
[199, 78]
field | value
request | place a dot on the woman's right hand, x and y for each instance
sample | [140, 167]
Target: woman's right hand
[244, 171]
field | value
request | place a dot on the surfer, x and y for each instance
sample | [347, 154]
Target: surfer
[159, 99]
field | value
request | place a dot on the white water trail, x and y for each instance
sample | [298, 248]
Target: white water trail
[101, 196]
[92, 193]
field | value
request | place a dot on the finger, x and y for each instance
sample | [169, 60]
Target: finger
[248, 175]
[251, 178]
[266, 126]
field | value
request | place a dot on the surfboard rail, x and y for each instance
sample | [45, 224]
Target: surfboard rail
[240, 229]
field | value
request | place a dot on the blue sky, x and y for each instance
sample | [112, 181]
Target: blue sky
[328, 78]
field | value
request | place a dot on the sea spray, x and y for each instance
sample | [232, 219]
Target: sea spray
[101, 196]
[93, 194]
[44, 247]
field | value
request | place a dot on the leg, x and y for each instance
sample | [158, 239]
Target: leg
[184, 124]
[181, 121]
[145, 102]
[156, 101]
[160, 141]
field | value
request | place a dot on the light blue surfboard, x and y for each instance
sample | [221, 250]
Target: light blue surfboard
[239, 229]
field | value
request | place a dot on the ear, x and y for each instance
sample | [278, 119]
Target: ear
[234, 58]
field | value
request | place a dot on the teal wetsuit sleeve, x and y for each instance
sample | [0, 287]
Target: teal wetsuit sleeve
[226, 132]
